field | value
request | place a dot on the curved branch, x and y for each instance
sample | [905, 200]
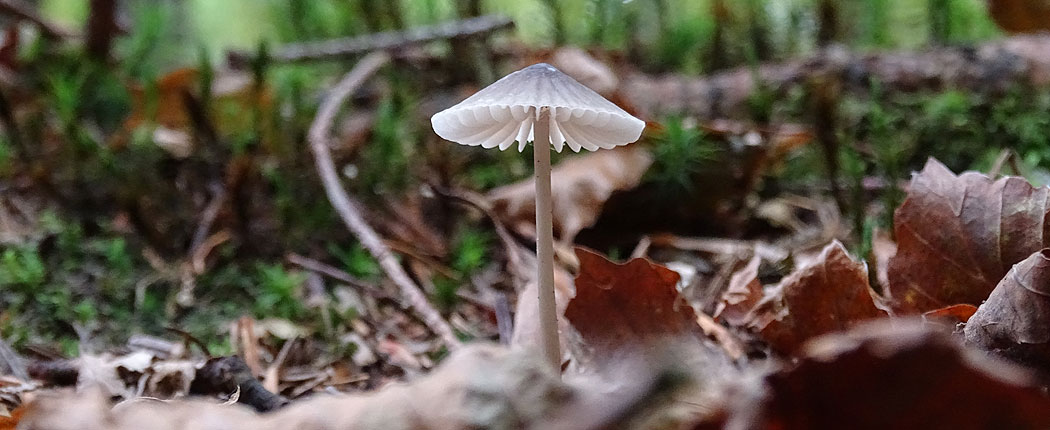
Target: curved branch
[347, 207]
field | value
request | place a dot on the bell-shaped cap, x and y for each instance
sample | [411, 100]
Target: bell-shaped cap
[507, 110]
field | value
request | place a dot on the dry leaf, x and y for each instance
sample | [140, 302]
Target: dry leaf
[829, 294]
[1015, 320]
[580, 187]
[170, 379]
[480, 386]
[526, 314]
[624, 306]
[168, 107]
[951, 316]
[742, 294]
[9, 420]
[899, 376]
[1020, 16]
[958, 235]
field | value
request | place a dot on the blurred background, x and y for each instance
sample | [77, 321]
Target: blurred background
[155, 174]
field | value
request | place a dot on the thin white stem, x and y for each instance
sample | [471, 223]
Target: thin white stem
[541, 153]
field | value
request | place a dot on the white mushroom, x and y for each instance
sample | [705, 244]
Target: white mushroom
[541, 104]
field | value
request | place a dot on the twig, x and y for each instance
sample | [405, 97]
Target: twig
[515, 257]
[102, 27]
[334, 273]
[11, 360]
[208, 215]
[733, 347]
[341, 48]
[22, 10]
[348, 208]
[504, 320]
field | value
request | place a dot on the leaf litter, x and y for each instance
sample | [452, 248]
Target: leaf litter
[642, 352]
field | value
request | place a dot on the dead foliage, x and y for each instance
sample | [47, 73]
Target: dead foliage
[580, 187]
[828, 294]
[1015, 320]
[1020, 16]
[958, 235]
[626, 305]
[896, 375]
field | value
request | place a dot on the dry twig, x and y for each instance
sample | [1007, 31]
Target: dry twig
[342, 48]
[348, 208]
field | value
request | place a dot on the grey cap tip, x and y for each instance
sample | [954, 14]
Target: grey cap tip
[541, 67]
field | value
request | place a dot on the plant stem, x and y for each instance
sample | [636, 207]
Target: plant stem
[541, 153]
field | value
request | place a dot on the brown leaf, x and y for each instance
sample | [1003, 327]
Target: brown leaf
[1020, 16]
[900, 376]
[950, 316]
[10, 420]
[580, 187]
[958, 235]
[829, 294]
[627, 305]
[1015, 320]
[166, 104]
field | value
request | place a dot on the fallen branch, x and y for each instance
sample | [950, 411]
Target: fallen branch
[22, 10]
[347, 207]
[990, 67]
[335, 49]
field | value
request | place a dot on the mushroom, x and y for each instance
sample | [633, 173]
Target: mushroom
[541, 104]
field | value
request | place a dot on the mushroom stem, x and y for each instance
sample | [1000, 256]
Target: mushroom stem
[541, 154]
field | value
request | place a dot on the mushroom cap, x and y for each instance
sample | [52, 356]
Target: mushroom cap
[507, 110]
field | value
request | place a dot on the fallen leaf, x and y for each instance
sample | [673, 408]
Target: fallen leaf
[580, 187]
[742, 294]
[102, 373]
[631, 305]
[895, 375]
[170, 379]
[1015, 320]
[950, 316]
[1020, 16]
[167, 106]
[958, 235]
[829, 294]
[9, 420]
[479, 386]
